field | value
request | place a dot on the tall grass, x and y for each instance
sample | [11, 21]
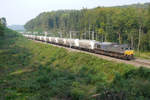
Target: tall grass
[144, 55]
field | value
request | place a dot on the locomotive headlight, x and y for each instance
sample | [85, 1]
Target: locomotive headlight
[129, 52]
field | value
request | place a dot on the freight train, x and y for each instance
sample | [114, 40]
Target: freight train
[122, 51]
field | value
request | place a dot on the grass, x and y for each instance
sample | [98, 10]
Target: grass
[36, 71]
[144, 55]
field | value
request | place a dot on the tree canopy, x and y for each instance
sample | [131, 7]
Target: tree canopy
[114, 24]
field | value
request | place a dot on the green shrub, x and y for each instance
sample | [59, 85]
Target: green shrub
[134, 84]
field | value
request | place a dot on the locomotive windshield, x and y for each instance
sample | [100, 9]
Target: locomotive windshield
[129, 48]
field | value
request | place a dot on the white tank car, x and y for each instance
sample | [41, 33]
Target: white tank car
[25, 35]
[33, 36]
[54, 40]
[60, 41]
[30, 36]
[77, 42]
[64, 39]
[41, 38]
[44, 38]
[87, 44]
[49, 39]
[38, 37]
[70, 42]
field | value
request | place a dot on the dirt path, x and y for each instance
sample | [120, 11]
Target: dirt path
[136, 62]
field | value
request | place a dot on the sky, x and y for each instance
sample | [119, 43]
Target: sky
[18, 12]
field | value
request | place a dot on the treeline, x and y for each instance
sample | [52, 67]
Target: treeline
[129, 25]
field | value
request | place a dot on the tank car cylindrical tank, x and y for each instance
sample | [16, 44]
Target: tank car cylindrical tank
[38, 37]
[70, 42]
[64, 39]
[41, 38]
[54, 40]
[49, 39]
[44, 38]
[61, 41]
[87, 44]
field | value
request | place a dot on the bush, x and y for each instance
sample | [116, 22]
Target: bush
[134, 84]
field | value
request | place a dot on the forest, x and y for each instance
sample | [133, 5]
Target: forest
[122, 24]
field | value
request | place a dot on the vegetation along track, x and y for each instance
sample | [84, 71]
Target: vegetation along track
[136, 62]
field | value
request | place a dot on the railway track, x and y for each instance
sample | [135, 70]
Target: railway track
[142, 61]
[136, 62]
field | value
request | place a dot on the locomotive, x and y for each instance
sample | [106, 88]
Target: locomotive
[122, 51]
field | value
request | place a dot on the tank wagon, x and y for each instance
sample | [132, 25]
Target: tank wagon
[71, 43]
[54, 40]
[122, 51]
[87, 44]
[61, 41]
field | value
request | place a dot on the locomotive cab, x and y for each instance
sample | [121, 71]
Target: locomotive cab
[128, 53]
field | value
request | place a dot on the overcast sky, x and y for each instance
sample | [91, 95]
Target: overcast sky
[21, 11]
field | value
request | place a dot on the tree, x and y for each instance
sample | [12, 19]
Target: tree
[1, 30]
[102, 33]
[140, 22]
